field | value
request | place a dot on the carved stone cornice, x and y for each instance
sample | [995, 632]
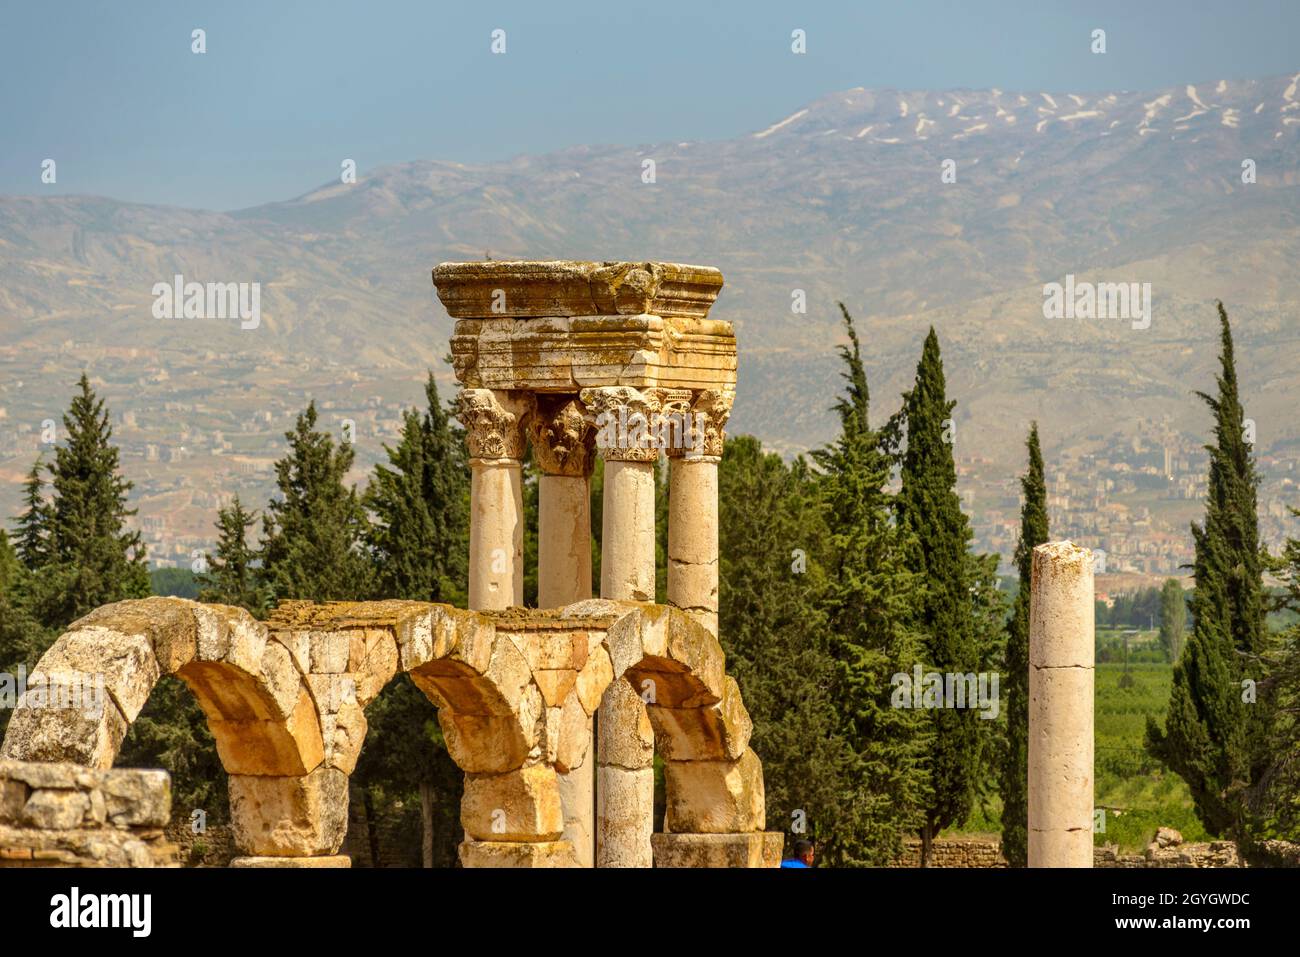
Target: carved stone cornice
[563, 438]
[494, 422]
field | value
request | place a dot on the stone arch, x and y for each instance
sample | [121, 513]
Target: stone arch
[256, 703]
[713, 780]
[494, 715]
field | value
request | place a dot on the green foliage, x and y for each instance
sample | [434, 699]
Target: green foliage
[87, 555]
[929, 509]
[1173, 618]
[1216, 742]
[1015, 690]
[868, 604]
[174, 582]
[313, 533]
[775, 636]
[232, 577]
[420, 505]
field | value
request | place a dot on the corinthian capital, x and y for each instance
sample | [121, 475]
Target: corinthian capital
[494, 422]
[626, 421]
[711, 410]
[562, 437]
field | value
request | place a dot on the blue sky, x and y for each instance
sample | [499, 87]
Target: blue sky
[287, 90]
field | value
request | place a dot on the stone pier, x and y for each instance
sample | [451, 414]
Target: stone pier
[1061, 707]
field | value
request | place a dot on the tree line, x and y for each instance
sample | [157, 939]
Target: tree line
[840, 571]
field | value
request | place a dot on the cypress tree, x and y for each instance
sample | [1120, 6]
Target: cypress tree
[868, 604]
[232, 577]
[1015, 754]
[1213, 738]
[929, 508]
[313, 533]
[90, 558]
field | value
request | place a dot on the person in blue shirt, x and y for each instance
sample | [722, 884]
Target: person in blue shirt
[803, 855]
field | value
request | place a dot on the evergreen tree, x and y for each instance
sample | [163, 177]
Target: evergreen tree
[1015, 754]
[419, 542]
[1212, 738]
[868, 604]
[33, 532]
[232, 577]
[313, 533]
[420, 503]
[775, 636]
[929, 508]
[90, 557]
[1173, 618]
[1275, 794]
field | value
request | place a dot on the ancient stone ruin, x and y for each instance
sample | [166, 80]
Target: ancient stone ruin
[555, 715]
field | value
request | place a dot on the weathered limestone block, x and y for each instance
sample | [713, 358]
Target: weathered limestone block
[701, 734]
[626, 737]
[379, 666]
[484, 743]
[74, 816]
[126, 662]
[574, 734]
[761, 849]
[624, 816]
[288, 747]
[578, 799]
[303, 816]
[595, 676]
[326, 861]
[445, 634]
[516, 854]
[714, 797]
[65, 734]
[573, 288]
[521, 805]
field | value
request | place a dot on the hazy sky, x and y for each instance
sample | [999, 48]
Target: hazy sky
[287, 90]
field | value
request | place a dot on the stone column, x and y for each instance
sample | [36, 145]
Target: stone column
[563, 444]
[693, 506]
[494, 422]
[1060, 707]
[625, 421]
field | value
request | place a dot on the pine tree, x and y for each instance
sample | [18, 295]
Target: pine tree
[313, 533]
[1173, 618]
[868, 604]
[419, 500]
[34, 523]
[1212, 738]
[232, 577]
[774, 633]
[1015, 753]
[90, 557]
[929, 508]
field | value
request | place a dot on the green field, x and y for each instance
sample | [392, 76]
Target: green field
[1137, 794]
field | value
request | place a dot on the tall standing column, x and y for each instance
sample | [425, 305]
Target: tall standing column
[1060, 707]
[693, 507]
[564, 448]
[625, 420]
[494, 421]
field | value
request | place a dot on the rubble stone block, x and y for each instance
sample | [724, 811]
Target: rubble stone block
[714, 797]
